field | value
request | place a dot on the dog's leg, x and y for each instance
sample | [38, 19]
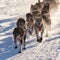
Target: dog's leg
[20, 46]
[46, 30]
[32, 29]
[42, 34]
[36, 32]
[15, 42]
[47, 34]
[24, 42]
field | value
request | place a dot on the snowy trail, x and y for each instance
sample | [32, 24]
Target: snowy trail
[49, 49]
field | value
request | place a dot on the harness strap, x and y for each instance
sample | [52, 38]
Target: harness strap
[40, 27]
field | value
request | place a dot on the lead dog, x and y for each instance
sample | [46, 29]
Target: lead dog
[44, 13]
[19, 33]
[39, 28]
[38, 25]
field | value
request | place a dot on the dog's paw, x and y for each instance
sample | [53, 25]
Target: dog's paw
[40, 40]
[19, 52]
[15, 47]
[24, 48]
[37, 40]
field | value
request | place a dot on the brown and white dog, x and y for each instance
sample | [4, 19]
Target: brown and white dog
[36, 7]
[19, 33]
[29, 23]
[38, 25]
[39, 28]
[43, 11]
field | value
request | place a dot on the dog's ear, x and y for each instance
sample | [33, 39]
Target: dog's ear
[32, 6]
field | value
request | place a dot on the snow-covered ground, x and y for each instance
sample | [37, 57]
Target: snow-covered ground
[49, 49]
[14, 8]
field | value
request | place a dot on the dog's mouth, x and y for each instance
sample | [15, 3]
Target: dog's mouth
[38, 24]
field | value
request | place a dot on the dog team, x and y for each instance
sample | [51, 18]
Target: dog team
[38, 19]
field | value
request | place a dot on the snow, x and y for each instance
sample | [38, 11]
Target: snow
[49, 49]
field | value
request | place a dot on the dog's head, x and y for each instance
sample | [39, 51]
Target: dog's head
[38, 21]
[35, 14]
[38, 4]
[34, 8]
[29, 17]
[20, 22]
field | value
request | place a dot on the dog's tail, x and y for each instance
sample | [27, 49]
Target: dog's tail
[47, 20]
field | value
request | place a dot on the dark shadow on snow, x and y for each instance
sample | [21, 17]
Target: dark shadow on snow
[31, 43]
[54, 38]
[8, 20]
[7, 48]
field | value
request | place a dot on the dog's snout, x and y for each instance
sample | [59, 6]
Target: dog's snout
[38, 23]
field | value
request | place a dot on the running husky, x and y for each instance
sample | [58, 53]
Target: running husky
[19, 33]
[29, 23]
[39, 28]
[43, 11]
[38, 25]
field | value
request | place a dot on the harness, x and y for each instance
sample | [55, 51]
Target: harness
[39, 27]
